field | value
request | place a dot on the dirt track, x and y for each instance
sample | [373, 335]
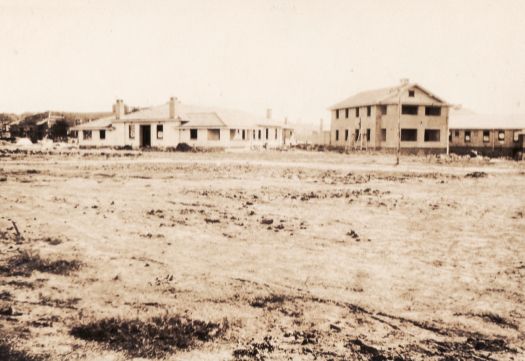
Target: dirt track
[302, 255]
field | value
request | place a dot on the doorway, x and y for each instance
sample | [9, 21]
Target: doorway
[145, 135]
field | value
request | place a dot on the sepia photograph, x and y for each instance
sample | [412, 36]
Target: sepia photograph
[259, 180]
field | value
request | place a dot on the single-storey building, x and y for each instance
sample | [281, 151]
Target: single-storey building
[489, 135]
[369, 120]
[174, 122]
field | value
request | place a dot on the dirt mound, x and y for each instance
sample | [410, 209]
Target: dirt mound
[255, 351]
[154, 338]
[25, 263]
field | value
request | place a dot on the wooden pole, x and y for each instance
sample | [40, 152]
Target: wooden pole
[398, 125]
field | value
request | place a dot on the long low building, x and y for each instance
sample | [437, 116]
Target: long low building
[489, 135]
[172, 123]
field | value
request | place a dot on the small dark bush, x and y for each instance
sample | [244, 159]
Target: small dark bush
[123, 147]
[184, 147]
[476, 175]
[154, 338]
[271, 300]
[25, 263]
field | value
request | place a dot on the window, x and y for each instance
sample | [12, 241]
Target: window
[409, 109]
[131, 131]
[102, 135]
[346, 134]
[383, 135]
[368, 133]
[409, 135]
[253, 134]
[357, 112]
[336, 135]
[267, 130]
[501, 135]
[193, 134]
[432, 135]
[346, 113]
[214, 134]
[486, 136]
[356, 135]
[433, 111]
[383, 109]
[243, 134]
[275, 133]
[337, 114]
[456, 133]
[516, 137]
[368, 111]
[411, 93]
[450, 136]
[260, 134]
[467, 136]
[160, 131]
[86, 134]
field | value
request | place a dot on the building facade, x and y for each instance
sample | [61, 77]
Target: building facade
[371, 119]
[488, 135]
[173, 123]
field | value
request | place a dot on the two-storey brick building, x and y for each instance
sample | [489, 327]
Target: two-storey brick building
[370, 120]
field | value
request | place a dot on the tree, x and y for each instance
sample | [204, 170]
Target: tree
[58, 131]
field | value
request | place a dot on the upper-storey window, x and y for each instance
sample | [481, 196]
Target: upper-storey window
[409, 109]
[433, 111]
[411, 93]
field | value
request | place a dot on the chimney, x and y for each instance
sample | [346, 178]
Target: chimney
[268, 113]
[286, 120]
[118, 108]
[172, 109]
[404, 81]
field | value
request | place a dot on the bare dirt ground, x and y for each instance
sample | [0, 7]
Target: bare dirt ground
[260, 256]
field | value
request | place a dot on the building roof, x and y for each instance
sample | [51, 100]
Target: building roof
[102, 123]
[459, 120]
[199, 116]
[198, 120]
[380, 96]
[189, 116]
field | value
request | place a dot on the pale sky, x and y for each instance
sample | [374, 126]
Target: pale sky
[296, 57]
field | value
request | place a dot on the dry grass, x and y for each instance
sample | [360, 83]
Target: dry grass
[153, 338]
[26, 262]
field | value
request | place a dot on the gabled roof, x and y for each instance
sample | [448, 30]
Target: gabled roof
[380, 96]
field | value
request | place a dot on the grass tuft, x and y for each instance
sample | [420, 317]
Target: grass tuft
[154, 338]
[25, 263]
